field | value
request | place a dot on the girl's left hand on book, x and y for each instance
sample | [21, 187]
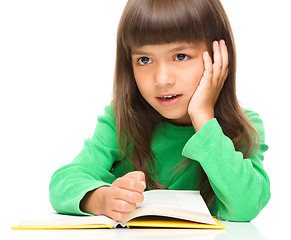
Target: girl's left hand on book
[201, 106]
[121, 198]
[118, 200]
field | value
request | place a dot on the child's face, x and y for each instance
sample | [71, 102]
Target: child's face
[168, 75]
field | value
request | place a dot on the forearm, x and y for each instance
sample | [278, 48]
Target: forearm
[71, 183]
[90, 170]
[241, 185]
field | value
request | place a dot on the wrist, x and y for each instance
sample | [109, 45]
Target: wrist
[198, 120]
[93, 201]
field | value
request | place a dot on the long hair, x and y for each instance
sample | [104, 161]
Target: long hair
[150, 22]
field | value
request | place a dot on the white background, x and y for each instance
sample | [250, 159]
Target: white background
[56, 73]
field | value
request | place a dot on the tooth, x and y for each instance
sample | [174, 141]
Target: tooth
[169, 97]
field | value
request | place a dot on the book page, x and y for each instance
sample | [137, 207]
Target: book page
[186, 205]
[187, 200]
[160, 198]
[55, 219]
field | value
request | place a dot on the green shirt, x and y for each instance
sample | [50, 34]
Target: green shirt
[241, 186]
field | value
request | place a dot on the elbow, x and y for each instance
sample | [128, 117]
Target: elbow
[244, 210]
[239, 216]
[54, 200]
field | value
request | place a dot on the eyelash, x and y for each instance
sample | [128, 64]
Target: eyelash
[181, 54]
[150, 61]
[139, 61]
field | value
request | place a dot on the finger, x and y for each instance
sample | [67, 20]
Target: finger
[137, 175]
[118, 216]
[225, 76]
[128, 196]
[224, 54]
[129, 184]
[115, 206]
[218, 61]
[208, 73]
[123, 206]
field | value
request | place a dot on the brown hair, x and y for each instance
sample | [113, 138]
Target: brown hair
[150, 22]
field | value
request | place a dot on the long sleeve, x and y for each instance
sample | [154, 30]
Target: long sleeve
[89, 170]
[241, 186]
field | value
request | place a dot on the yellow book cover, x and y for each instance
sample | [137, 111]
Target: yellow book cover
[160, 209]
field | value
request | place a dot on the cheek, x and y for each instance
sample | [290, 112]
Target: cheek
[193, 77]
[143, 78]
[142, 84]
[138, 79]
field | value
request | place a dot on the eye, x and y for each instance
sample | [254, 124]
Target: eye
[181, 57]
[144, 61]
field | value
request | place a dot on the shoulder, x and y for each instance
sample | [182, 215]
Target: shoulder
[108, 115]
[256, 121]
[108, 111]
[106, 126]
[252, 116]
[250, 113]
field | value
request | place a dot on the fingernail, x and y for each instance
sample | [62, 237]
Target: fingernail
[216, 42]
[143, 182]
[206, 53]
[222, 41]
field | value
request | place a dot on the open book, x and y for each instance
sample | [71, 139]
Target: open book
[160, 208]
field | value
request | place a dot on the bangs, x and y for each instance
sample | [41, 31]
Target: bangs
[151, 22]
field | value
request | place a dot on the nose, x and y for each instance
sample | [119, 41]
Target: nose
[164, 75]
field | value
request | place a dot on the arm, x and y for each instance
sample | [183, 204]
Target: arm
[87, 186]
[241, 186]
[89, 170]
[118, 200]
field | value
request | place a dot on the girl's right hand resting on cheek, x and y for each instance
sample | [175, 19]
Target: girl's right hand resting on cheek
[118, 200]
[201, 106]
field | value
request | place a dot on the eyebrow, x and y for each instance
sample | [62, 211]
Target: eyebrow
[183, 47]
[138, 53]
[177, 49]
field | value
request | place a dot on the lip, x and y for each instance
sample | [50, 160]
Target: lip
[167, 94]
[169, 102]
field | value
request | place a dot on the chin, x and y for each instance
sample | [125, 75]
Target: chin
[178, 119]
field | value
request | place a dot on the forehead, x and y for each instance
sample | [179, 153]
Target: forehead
[168, 48]
[146, 22]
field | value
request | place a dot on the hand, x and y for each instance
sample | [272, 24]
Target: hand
[201, 106]
[118, 200]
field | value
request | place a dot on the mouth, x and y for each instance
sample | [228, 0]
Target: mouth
[170, 97]
[169, 100]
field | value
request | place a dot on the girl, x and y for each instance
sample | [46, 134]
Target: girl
[174, 123]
